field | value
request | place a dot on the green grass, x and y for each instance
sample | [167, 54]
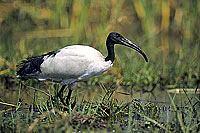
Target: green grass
[105, 114]
[167, 31]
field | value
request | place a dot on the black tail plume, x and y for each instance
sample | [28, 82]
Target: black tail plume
[30, 66]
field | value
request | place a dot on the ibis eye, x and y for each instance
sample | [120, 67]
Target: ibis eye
[118, 35]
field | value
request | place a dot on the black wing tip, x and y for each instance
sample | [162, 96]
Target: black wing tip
[29, 66]
[20, 67]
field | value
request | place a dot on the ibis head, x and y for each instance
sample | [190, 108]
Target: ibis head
[116, 38]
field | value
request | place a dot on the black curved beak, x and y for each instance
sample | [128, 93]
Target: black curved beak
[130, 44]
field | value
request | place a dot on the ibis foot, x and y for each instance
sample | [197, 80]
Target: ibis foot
[60, 95]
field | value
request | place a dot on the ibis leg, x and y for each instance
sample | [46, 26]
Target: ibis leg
[70, 87]
[68, 96]
[60, 94]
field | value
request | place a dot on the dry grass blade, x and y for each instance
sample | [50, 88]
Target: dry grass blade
[4, 71]
[8, 104]
[124, 93]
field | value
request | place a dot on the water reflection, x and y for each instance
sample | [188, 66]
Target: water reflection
[11, 95]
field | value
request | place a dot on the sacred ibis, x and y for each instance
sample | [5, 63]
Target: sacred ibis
[73, 64]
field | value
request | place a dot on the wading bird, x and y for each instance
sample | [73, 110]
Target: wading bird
[73, 64]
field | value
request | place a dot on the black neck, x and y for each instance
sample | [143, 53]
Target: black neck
[110, 48]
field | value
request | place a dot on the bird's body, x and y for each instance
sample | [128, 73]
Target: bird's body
[73, 63]
[64, 66]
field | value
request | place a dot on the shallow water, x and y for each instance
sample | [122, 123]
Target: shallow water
[10, 96]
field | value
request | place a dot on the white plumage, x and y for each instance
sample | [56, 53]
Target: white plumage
[73, 64]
